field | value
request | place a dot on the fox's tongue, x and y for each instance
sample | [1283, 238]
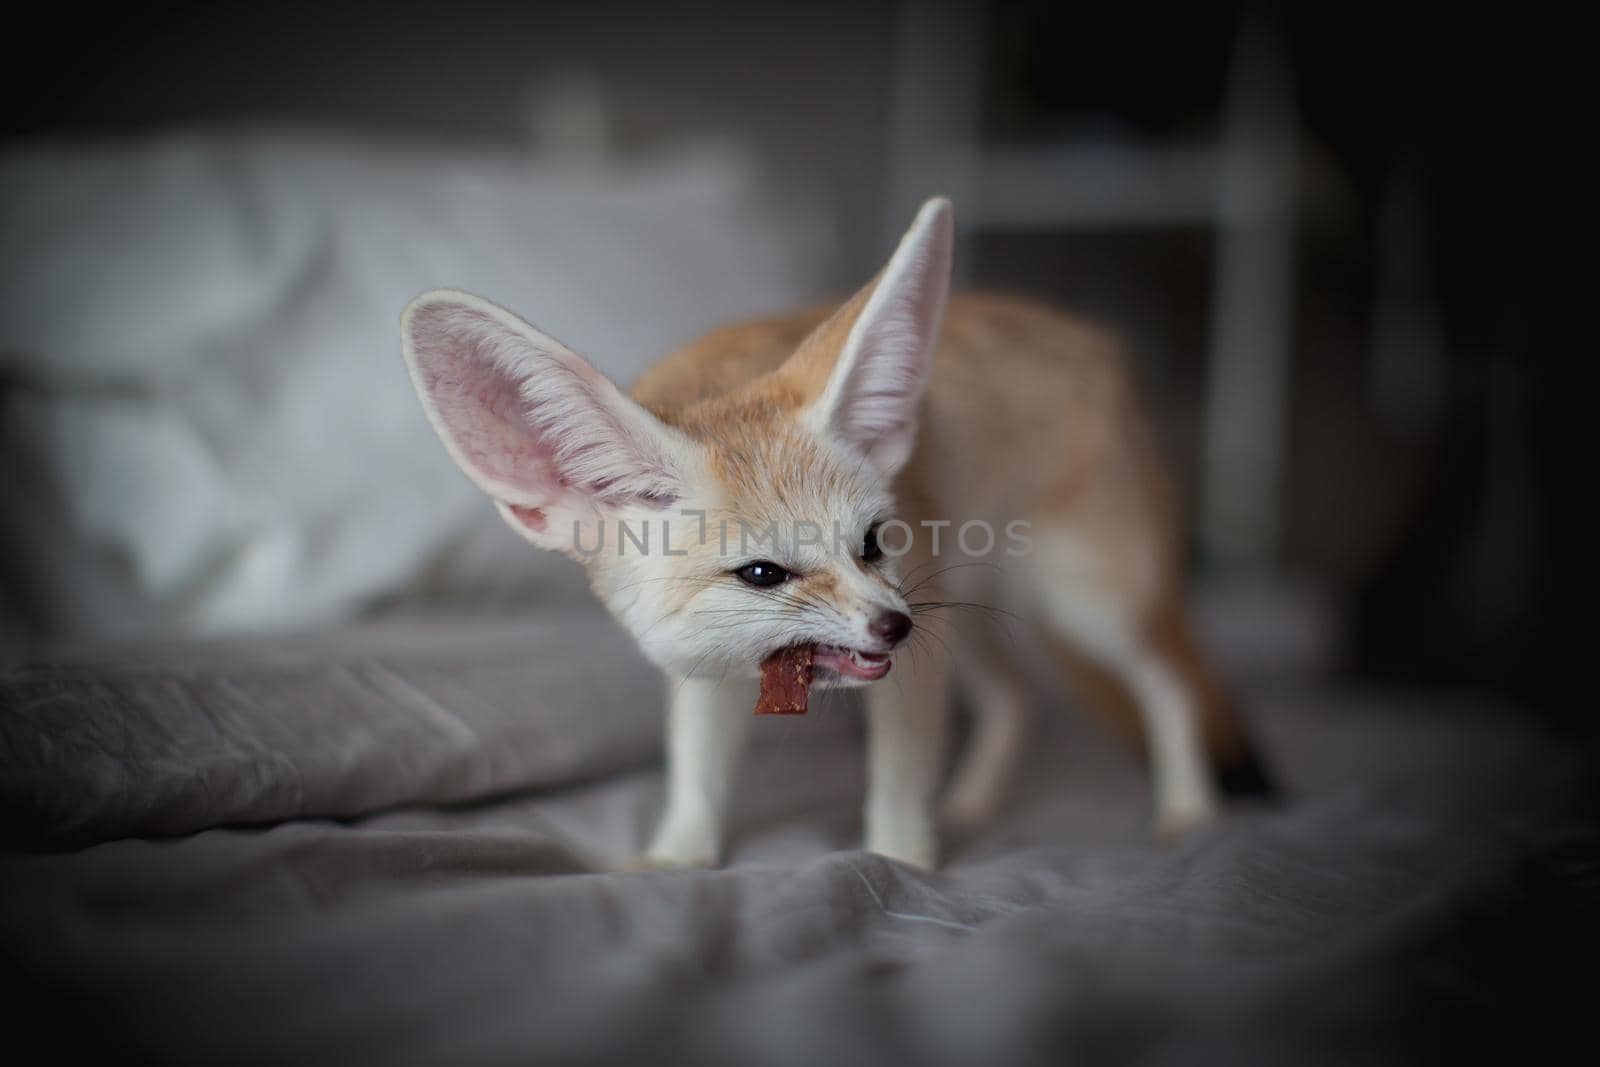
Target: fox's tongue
[850, 663]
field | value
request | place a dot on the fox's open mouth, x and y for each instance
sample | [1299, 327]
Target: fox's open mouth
[852, 662]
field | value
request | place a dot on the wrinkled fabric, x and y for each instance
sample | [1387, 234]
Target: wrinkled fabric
[397, 844]
[146, 740]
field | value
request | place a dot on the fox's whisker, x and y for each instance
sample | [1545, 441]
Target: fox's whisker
[946, 570]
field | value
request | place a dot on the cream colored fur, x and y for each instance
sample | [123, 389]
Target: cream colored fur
[899, 404]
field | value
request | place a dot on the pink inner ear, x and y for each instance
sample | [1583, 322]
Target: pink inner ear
[533, 424]
[532, 518]
[464, 358]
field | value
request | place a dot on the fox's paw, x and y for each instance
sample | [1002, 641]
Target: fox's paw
[969, 806]
[915, 844]
[649, 861]
[681, 843]
[1176, 822]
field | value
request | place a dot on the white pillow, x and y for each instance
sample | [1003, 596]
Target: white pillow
[207, 421]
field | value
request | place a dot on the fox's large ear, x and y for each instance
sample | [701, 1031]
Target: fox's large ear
[876, 384]
[535, 426]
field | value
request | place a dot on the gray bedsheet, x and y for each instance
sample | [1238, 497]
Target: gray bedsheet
[392, 844]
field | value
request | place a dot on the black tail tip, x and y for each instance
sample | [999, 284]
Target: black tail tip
[1245, 776]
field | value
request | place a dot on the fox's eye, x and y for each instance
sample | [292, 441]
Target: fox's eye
[762, 574]
[870, 549]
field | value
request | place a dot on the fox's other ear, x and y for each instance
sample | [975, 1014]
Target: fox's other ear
[550, 438]
[873, 392]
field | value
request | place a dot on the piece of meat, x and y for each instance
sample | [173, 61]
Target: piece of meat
[786, 681]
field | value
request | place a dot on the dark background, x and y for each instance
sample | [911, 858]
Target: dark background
[1433, 137]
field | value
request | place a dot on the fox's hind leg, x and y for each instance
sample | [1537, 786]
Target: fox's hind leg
[1109, 598]
[998, 697]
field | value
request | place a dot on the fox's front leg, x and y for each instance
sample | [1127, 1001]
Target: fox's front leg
[908, 719]
[706, 725]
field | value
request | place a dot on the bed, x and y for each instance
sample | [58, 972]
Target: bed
[300, 763]
[397, 842]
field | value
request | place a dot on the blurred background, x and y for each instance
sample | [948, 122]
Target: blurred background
[1312, 227]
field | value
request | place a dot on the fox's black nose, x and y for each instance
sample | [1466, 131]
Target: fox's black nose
[891, 626]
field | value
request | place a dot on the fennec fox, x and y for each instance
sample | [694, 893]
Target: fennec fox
[797, 481]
